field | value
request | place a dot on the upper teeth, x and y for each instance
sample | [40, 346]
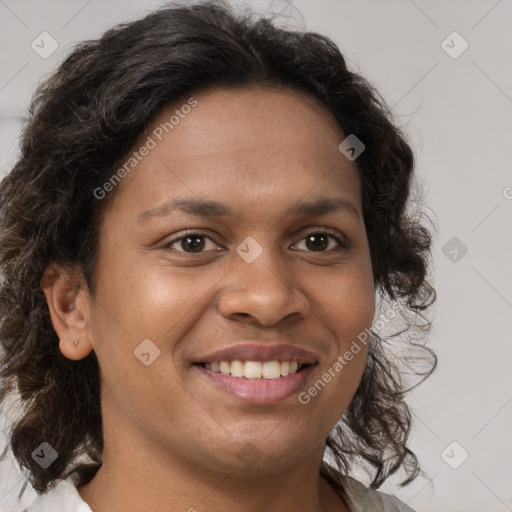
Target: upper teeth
[254, 369]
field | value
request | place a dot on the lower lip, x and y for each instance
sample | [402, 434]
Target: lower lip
[259, 391]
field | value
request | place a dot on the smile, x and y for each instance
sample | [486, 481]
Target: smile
[269, 370]
[246, 381]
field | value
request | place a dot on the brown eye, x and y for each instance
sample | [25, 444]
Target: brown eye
[191, 243]
[319, 242]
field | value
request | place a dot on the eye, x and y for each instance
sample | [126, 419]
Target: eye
[191, 243]
[319, 241]
[196, 242]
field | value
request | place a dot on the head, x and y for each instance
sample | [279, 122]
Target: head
[180, 190]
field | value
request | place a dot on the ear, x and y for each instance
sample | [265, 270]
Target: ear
[67, 297]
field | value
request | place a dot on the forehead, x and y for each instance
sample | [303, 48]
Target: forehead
[255, 119]
[240, 145]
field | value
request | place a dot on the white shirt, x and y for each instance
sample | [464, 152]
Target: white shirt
[64, 497]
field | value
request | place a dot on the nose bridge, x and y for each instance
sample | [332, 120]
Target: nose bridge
[261, 285]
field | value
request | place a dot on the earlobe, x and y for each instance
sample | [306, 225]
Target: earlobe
[66, 295]
[75, 349]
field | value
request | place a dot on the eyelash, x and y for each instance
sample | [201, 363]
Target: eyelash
[190, 234]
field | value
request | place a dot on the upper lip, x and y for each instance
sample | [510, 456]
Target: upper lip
[260, 352]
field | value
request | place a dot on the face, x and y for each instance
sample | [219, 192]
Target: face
[213, 242]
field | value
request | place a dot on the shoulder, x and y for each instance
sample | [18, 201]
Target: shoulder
[63, 497]
[363, 499]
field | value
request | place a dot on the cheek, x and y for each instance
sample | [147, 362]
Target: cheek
[346, 312]
[346, 309]
[136, 302]
[346, 303]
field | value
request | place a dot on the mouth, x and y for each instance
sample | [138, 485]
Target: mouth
[257, 382]
[255, 370]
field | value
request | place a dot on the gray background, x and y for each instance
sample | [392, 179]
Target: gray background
[458, 115]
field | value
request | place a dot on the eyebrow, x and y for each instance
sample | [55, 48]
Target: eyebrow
[200, 208]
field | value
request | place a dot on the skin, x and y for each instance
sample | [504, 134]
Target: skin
[173, 440]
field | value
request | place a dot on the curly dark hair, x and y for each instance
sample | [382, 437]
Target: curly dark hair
[87, 116]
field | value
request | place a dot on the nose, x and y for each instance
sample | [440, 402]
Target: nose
[263, 292]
